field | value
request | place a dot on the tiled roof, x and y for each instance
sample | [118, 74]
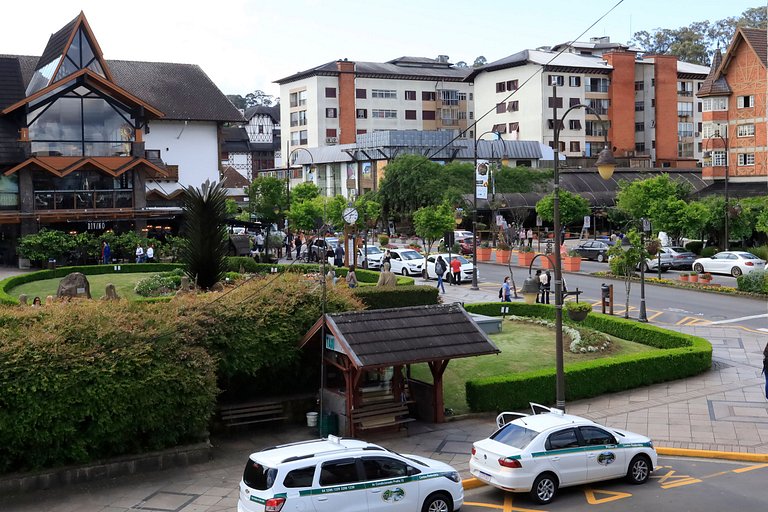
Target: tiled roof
[411, 71]
[715, 84]
[56, 43]
[758, 40]
[231, 178]
[235, 140]
[545, 58]
[273, 112]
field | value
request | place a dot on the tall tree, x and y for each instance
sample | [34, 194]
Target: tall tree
[237, 100]
[410, 182]
[304, 192]
[480, 61]
[266, 198]
[430, 223]
[259, 98]
[573, 207]
[205, 247]
[660, 199]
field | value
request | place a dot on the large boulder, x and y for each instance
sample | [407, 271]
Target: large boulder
[74, 285]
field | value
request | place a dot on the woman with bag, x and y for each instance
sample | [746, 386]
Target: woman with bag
[440, 268]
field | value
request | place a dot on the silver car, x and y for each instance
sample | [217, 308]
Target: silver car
[682, 259]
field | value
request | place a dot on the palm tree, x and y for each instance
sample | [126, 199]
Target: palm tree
[205, 247]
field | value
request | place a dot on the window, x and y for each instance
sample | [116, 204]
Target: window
[471, 114]
[410, 114]
[330, 132]
[300, 477]
[639, 86]
[514, 436]
[640, 147]
[709, 130]
[339, 472]
[380, 113]
[698, 106]
[563, 439]
[513, 127]
[561, 145]
[452, 97]
[410, 95]
[302, 98]
[745, 101]
[746, 159]
[501, 86]
[574, 81]
[258, 477]
[299, 118]
[362, 132]
[379, 468]
[384, 94]
[330, 112]
[330, 92]
[551, 124]
[512, 85]
[639, 106]
[718, 103]
[361, 94]
[653, 82]
[685, 88]
[555, 102]
[575, 146]
[719, 159]
[745, 130]
[639, 127]
[599, 106]
[597, 84]
[594, 436]
[513, 106]
[572, 102]
[501, 108]
[596, 128]
[499, 128]
[361, 113]
[685, 129]
[556, 80]
[685, 149]
[684, 109]
[427, 95]
[471, 97]
[653, 102]
[297, 99]
[574, 124]
[428, 115]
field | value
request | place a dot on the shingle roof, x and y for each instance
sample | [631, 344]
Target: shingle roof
[410, 71]
[758, 40]
[231, 178]
[235, 140]
[545, 58]
[386, 337]
[273, 112]
[56, 43]
[715, 84]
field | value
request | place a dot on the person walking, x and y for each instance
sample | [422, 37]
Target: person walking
[440, 269]
[506, 291]
[259, 242]
[456, 270]
[338, 255]
[529, 236]
[151, 253]
[297, 242]
[139, 254]
[539, 298]
[387, 257]
[545, 280]
[351, 277]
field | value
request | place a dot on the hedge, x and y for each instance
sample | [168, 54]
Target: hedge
[682, 356]
[400, 297]
[9, 283]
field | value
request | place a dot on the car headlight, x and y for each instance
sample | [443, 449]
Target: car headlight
[453, 475]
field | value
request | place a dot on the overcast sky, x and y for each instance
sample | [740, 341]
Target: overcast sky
[246, 45]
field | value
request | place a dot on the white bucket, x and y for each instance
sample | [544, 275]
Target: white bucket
[311, 419]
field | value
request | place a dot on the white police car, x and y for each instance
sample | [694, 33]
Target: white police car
[540, 453]
[346, 475]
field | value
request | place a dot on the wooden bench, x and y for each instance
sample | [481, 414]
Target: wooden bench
[381, 415]
[251, 412]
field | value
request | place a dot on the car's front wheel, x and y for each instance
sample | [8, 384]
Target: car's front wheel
[405, 272]
[438, 502]
[544, 488]
[639, 469]
[736, 272]
[698, 268]
[600, 258]
[424, 275]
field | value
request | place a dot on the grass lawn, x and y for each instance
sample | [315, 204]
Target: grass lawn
[523, 347]
[124, 284]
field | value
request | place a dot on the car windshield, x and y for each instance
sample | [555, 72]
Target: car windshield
[411, 255]
[678, 249]
[257, 476]
[461, 259]
[371, 250]
[747, 255]
[514, 435]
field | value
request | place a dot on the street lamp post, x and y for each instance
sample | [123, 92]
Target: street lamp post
[288, 188]
[605, 166]
[474, 211]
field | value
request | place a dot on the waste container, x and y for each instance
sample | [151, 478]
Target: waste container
[51, 264]
[312, 419]
[329, 424]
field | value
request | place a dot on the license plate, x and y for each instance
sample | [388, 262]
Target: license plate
[484, 476]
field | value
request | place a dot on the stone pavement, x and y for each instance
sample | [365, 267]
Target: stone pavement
[722, 410]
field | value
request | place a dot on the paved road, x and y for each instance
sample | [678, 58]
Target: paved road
[677, 484]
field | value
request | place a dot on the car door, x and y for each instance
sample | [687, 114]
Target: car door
[566, 456]
[341, 488]
[396, 263]
[718, 263]
[298, 485]
[431, 268]
[585, 250]
[605, 460]
[389, 485]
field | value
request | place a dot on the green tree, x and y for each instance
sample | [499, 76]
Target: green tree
[624, 259]
[205, 247]
[695, 219]
[660, 199]
[369, 210]
[431, 222]
[572, 207]
[232, 207]
[237, 100]
[46, 244]
[306, 215]
[410, 182]
[266, 198]
[259, 98]
[521, 179]
[304, 192]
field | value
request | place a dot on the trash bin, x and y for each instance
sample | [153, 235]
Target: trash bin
[329, 424]
[51, 264]
[312, 419]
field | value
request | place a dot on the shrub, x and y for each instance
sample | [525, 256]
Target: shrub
[399, 297]
[156, 285]
[708, 252]
[383, 240]
[502, 246]
[761, 252]
[754, 282]
[578, 306]
[683, 356]
[695, 246]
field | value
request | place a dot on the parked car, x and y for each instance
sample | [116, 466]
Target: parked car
[682, 259]
[593, 250]
[652, 264]
[465, 243]
[346, 475]
[541, 453]
[406, 262]
[734, 263]
[466, 266]
[374, 258]
[320, 246]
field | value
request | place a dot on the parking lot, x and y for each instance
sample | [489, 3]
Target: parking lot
[677, 484]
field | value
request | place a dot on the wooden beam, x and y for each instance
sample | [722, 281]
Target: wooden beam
[437, 368]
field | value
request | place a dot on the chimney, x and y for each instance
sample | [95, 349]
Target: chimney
[442, 59]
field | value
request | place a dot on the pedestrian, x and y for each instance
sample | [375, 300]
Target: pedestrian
[259, 241]
[151, 253]
[538, 280]
[456, 270]
[521, 236]
[106, 253]
[330, 257]
[331, 276]
[545, 280]
[387, 257]
[440, 269]
[297, 242]
[529, 236]
[338, 255]
[505, 294]
[765, 369]
[351, 277]
[139, 254]
[36, 303]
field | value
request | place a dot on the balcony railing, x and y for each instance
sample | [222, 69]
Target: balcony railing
[83, 199]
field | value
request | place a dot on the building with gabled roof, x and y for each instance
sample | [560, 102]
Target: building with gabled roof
[93, 144]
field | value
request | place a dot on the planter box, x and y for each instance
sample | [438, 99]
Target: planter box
[524, 259]
[503, 256]
[571, 263]
[484, 253]
[684, 277]
[545, 263]
[693, 278]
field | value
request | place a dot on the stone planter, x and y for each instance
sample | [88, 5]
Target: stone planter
[571, 263]
[704, 280]
[484, 253]
[524, 259]
[545, 263]
[503, 256]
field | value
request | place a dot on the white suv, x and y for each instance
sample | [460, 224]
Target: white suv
[346, 475]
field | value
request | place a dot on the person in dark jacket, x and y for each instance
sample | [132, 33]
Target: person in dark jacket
[338, 256]
[765, 369]
[440, 268]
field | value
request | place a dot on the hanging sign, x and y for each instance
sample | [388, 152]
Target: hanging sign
[481, 180]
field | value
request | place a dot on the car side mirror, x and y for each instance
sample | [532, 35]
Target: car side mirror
[711, 257]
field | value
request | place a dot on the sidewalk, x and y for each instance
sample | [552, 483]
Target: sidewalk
[722, 410]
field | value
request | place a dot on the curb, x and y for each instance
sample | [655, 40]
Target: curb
[472, 483]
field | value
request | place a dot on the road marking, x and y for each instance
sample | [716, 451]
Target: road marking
[750, 468]
[612, 496]
[509, 508]
[762, 329]
[734, 320]
[484, 505]
[675, 480]
[684, 320]
[655, 315]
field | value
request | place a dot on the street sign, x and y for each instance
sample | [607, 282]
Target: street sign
[538, 221]
[587, 221]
